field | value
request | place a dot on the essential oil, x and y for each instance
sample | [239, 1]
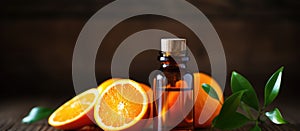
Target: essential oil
[173, 87]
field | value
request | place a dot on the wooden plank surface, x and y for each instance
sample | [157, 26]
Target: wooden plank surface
[12, 112]
[43, 126]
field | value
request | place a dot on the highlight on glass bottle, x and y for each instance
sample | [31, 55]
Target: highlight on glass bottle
[173, 87]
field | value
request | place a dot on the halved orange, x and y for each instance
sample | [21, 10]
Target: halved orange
[76, 112]
[122, 105]
[106, 83]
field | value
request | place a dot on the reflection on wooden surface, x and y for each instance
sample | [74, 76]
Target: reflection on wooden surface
[13, 110]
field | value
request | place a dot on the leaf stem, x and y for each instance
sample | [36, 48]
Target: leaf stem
[247, 109]
[260, 114]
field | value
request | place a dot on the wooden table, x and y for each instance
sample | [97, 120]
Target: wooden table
[13, 110]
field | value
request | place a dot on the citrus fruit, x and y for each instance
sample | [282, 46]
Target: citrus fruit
[106, 83]
[149, 92]
[206, 107]
[122, 105]
[75, 113]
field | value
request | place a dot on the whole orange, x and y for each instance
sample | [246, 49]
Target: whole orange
[149, 117]
[206, 108]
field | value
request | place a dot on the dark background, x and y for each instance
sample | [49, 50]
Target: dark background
[38, 37]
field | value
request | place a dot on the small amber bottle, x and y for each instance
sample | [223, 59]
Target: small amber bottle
[173, 87]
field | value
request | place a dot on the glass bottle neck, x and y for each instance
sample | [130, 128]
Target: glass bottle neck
[169, 60]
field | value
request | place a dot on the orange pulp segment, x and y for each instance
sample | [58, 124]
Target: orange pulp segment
[121, 105]
[74, 113]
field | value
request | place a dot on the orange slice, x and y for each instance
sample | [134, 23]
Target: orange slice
[121, 105]
[75, 112]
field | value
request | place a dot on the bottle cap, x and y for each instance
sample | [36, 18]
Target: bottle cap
[173, 44]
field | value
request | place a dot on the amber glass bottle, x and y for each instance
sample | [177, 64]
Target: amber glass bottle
[173, 87]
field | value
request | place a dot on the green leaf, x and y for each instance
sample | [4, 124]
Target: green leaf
[272, 87]
[256, 128]
[238, 83]
[232, 103]
[210, 91]
[36, 114]
[235, 120]
[228, 117]
[276, 117]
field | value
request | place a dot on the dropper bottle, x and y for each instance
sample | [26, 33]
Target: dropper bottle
[173, 87]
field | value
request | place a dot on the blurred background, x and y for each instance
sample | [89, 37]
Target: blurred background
[38, 37]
